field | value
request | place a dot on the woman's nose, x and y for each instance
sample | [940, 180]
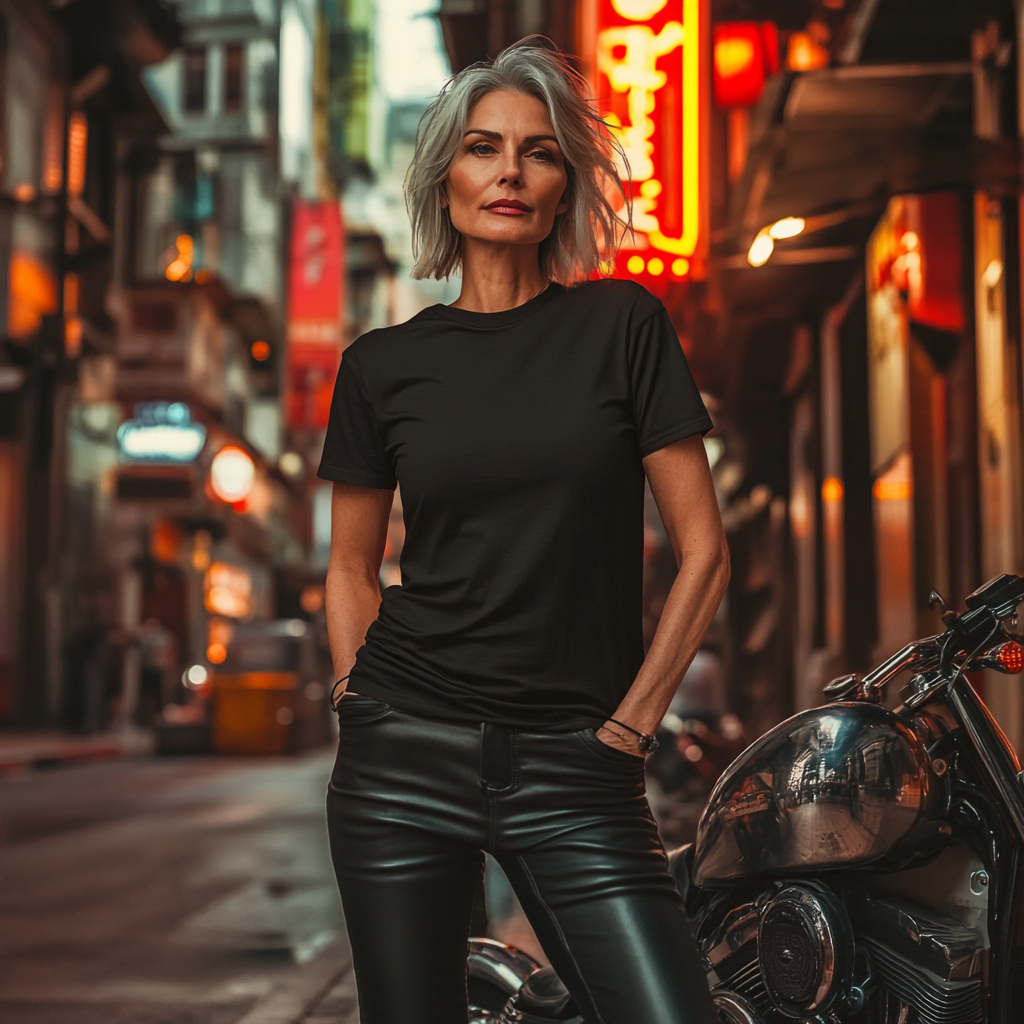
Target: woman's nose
[510, 172]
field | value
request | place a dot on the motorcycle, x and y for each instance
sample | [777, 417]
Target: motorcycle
[861, 865]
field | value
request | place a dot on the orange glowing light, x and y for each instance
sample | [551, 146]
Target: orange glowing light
[227, 590]
[180, 268]
[165, 541]
[73, 337]
[805, 53]
[53, 141]
[32, 294]
[649, 76]
[260, 351]
[832, 489]
[23, 193]
[216, 654]
[892, 490]
[78, 138]
[1011, 657]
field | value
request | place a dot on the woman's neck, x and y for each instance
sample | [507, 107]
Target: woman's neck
[498, 277]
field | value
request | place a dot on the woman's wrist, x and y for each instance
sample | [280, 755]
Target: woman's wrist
[614, 735]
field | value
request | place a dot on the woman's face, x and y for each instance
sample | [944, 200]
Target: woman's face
[507, 182]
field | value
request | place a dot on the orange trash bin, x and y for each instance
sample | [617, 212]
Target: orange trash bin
[254, 712]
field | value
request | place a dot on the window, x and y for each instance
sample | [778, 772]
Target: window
[234, 68]
[195, 80]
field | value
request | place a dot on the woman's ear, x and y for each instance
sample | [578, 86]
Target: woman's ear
[563, 205]
[443, 198]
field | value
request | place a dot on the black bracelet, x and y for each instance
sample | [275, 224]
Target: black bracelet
[334, 690]
[645, 743]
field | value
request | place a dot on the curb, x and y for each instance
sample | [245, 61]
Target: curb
[295, 997]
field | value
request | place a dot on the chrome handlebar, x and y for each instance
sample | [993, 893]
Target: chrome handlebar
[921, 654]
[987, 607]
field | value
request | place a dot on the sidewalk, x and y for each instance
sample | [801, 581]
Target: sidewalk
[26, 751]
[320, 992]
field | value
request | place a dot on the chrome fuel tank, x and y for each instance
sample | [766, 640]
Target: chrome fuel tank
[834, 787]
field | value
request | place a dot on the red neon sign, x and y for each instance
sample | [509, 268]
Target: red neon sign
[315, 313]
[649, 72]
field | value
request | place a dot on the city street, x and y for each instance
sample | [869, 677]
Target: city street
[185, 891]
[530, 361]
[171, 892]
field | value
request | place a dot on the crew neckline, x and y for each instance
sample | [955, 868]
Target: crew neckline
[504, 317]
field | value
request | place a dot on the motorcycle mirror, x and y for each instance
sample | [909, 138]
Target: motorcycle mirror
[936, 600]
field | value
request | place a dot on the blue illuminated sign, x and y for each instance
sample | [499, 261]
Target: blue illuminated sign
[161, 432]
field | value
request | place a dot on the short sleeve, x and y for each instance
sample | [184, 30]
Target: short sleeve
[353, 449]
[666, 403]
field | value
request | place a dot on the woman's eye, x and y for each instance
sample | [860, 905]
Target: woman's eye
[541, 154]
[481, 149]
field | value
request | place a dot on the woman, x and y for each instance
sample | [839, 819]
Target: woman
[499, 699]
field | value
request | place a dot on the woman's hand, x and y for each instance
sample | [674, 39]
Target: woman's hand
[612, 735]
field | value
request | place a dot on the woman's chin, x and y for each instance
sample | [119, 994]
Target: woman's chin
[505, 234]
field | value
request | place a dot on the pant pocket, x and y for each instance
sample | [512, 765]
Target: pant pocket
[357, 709]
[610, 755]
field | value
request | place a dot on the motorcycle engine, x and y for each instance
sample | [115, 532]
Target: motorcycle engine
[798, 952]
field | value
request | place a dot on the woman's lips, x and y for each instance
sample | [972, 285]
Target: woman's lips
[508, 207]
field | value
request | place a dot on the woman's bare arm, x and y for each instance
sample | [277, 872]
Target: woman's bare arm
[681, 483]
[359, 528]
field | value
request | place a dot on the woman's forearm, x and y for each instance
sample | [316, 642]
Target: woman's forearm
[691, 605]
[352, 603]
[359, 528]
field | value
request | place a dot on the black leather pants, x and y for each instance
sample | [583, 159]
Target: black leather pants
[411, 806]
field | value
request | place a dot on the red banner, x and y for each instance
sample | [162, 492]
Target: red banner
[649, 66]
[315, 312]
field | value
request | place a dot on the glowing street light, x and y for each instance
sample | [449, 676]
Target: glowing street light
[788, 227]
[232, 474]
[760, 249]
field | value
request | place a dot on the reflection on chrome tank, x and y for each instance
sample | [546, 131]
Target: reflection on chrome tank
[859, 865]
[842, 785]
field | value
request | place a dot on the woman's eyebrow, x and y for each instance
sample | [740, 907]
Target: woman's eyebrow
[528, 141]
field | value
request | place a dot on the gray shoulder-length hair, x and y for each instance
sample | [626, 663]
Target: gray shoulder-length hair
[573, 250]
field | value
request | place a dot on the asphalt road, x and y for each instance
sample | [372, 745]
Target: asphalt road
[187, 891]
[171, 891]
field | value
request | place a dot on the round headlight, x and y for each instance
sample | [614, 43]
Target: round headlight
[806, 951]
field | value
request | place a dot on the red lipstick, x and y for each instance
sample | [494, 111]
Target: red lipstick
[508, 206]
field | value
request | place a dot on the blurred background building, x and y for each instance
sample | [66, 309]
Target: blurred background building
[201, 206]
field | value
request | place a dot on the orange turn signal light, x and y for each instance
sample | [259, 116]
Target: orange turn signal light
[1010, 657]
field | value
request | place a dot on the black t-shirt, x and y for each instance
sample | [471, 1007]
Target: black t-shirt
[517, 438]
